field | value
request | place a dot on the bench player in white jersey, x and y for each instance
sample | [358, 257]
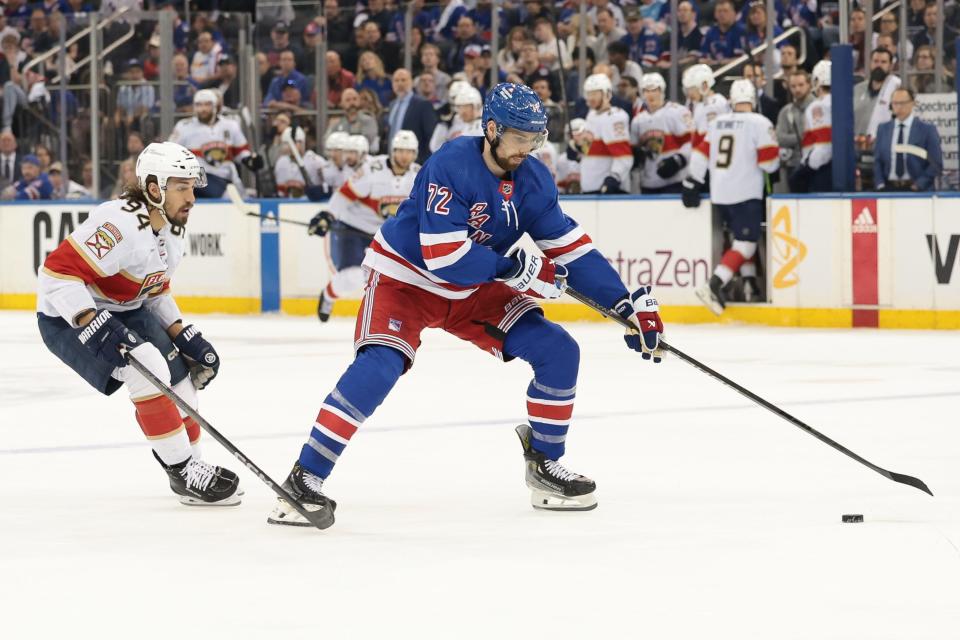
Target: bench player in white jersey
[605, 166]
[448, 116]
[355, 151]
[333, 170]
[217, 142]
[357, 210]
[290, 180]
[469, 106]
[741, 149]
[815, 173]
[704, 103]
[106, 288]
[661, 133]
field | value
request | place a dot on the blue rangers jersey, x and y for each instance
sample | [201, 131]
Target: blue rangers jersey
[451, 234]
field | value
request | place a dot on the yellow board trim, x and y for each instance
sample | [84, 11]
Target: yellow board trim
[572, 312]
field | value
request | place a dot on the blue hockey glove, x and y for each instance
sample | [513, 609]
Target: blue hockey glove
[105, 335]
[691, 193]
[320, 224]
[538, 276]
[205, 362]
[642, 310]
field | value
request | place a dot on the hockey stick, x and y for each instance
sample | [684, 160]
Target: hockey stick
[287, 137]
[613, 315]
[246, 209]
[317, 519]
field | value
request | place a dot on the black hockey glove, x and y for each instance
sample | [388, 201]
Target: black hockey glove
[203, 360]
[317, 192]
[669, 167]
[320, 224]
[691, 193]
[573, 154]
[610, 185]
[105, 335]
[799, 179]
[253, 162]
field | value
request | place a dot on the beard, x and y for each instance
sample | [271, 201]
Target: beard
[878, 75]
[504, 162]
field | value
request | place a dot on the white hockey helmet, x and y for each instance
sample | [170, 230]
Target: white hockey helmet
[165, 160]
[405, 139]
[336, 141]
[743, 91]
[578, 125]
[598, 82]
[208, 96]
[357, 143]
[468, 95]
[455, 88]
[299, 135]
[651, 81]
[695, 76]
[821, 74]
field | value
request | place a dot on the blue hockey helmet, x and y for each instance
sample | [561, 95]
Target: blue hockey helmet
[515, 106]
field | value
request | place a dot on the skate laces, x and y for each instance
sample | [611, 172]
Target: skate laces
[312, 482]
[198, 474]
[558, 471]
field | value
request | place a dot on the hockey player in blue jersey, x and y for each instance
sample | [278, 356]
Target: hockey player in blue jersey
[447, 260]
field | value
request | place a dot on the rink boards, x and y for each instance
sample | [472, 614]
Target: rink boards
[830, 261]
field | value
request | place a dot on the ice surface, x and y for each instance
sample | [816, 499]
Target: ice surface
[716, 519]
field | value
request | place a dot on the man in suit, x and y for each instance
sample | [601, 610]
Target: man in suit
[767, 106]
[411, 112]
[907, 153]
[9, 159]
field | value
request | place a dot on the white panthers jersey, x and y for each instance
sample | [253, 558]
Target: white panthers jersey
[333, 175]
[740, 147]
[441, 132]
[115, 261]
[703, 114]
[665, 133]
[216, 145]
[817, 148]
[372, 194]
[609, 153]
[288, 177]
[461, 128]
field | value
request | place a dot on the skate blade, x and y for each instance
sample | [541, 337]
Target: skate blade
[230, 501]
[553, 502]
[284, 514]
[706, 297]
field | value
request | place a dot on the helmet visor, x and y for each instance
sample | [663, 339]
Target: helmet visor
[515, 141]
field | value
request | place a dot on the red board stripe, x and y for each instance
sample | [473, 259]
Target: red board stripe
[863, 220]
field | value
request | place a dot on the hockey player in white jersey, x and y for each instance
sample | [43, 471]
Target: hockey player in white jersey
[217, 142]
[815, 173]
[605, 166]
[105, 292]
[469, 106]
[661, 133]
[333, 170]
[704, 103]
[355, 151]
[449, 118]
[741, 149]
[291, 183]
[357, 210]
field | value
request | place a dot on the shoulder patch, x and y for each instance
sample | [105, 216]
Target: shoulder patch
[103, 240]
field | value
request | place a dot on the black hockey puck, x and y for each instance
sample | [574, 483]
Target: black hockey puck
[852, 517]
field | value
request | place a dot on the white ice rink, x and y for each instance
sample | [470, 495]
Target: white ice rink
[716, 518]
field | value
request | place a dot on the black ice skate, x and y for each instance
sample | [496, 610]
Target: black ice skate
[712, 295]
[200, 483]
[324, 306]
[553, 487]
[305, 488]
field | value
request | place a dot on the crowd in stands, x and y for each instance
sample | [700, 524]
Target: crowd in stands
[370, 93]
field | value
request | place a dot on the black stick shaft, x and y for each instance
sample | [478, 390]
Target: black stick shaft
[229, 446]
[896, 477]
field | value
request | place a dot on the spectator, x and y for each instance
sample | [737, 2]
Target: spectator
[49, 36]
[417, 42]
[13, 58]
[288, 77]
[915, 14]
[389, 52]
[922, 80]
[370, 104]
[858, 33]
[871, 98]
[477, 69]
[928, 34]
[307, 62]
[33, 185]
[280, 42]
[44, 155]
[766, 105]
[425, 18]
[291, 99]
[788, 64]
[411, 112]
[9, 159]
[225, 82]
[643, 45]
[135, 98]
[916, 168]
[534, 9]
[37, 25]
[607, 33]
[888, 37]
[531, 69]
[378, 13]
[339, 25]
[371, 76]
[482, 16]
[134, 145]
[689, 38]
[726, 39]
[790, 125]
[203, 68]
[264, 72]
[430, 65]
[508, 58]
[151, 64]
[75, 191]
[548, 47]
[553, 110]
[573, 78]
[14, 97]
[466, 36]
[450, 14]
[757, 26]
[622, 65]
[569, 30]
[355, 121]
[615, 12]
[183, 85]
[426, 87]
[338, 78]
[628, 90]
